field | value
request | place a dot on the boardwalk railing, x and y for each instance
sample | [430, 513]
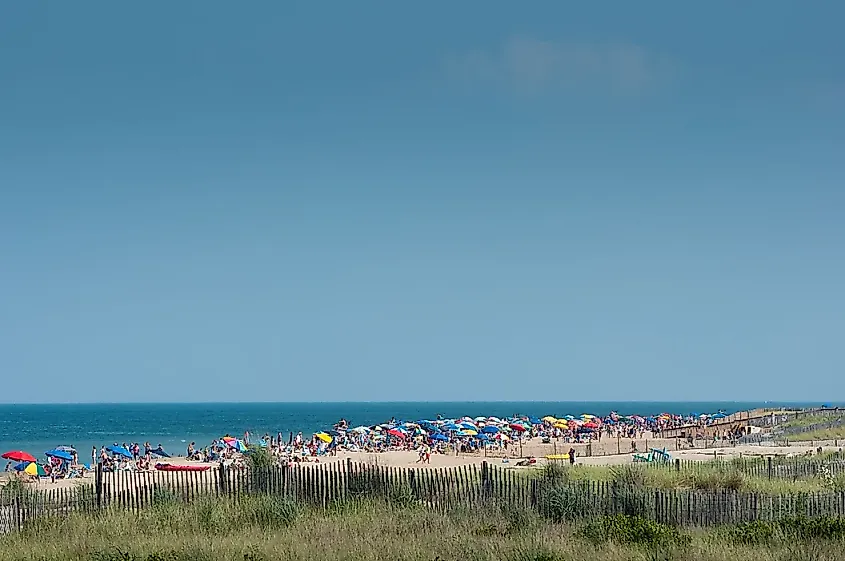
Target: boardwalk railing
[476, 486]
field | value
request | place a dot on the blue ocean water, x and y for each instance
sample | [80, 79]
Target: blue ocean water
[37, 428]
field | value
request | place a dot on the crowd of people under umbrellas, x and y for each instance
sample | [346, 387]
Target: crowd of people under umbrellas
[426, 437]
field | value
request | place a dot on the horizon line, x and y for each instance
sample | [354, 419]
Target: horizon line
[340, 402]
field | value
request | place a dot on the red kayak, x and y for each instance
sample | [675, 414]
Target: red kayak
[171, 467]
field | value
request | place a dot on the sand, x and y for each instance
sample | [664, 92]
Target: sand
[603, 453]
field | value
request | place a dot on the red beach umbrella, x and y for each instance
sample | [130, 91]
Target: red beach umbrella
[517, 427]
[19, 456]
[396, 433]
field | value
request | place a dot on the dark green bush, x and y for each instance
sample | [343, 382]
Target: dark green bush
[753, 533]
[820, 528]
[789, 529]
[636, 530]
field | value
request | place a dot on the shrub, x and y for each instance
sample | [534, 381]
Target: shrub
[821, 528]
[752, 533]
[561, 503]
[636, 530]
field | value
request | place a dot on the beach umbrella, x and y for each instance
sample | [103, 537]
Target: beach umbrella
[324, 437]
[517, 427]
[397, 433]
[549, 419]
[32, 468]
[119, 450]
[361, 430]
[502, 436]
[70, 449]
[490, 429]
[561, 425]
[469, 432]
[494, 419]
[61, 454]
[451, 426]
[590, 425]
[18, 456]
[535, 421]
[468, 426]
[439, 436]
[237, 445]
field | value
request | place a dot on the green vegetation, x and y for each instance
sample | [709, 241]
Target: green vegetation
[810, 420]
[705, 476]
[266, 529]
[836, 433]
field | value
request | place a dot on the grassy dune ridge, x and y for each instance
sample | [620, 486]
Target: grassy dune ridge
[268, 528]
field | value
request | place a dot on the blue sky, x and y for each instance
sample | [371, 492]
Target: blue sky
[405, 201]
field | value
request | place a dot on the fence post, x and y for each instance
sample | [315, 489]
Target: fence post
[222, 478]
[769, 466]
[98, 484]
[677, 464]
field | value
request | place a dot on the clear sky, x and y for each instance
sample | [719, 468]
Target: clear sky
[214, 200]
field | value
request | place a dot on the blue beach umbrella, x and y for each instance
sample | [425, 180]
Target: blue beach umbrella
[490, 429]
[119, 450]
[439, 436]
[61, 454]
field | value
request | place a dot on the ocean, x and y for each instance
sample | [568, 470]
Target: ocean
[37, 428]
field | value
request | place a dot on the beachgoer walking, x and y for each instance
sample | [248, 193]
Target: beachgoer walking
[572, 456]
[93, 456]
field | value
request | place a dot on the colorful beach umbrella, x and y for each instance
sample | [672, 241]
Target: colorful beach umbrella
[18, 456]
[324, 437]
[31, 468]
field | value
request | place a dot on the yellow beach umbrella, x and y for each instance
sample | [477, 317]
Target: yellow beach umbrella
[324, 437]
[561, 425]
[34, 469]
[470, 432]
[549, 419]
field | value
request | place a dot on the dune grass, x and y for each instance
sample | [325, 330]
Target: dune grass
[820, 435]
[267, 528]
[810, 420]
[707, 476]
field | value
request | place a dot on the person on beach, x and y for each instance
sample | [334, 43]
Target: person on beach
[93, 456]
[572, 456]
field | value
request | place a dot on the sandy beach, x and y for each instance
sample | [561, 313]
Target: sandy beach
[603, 454]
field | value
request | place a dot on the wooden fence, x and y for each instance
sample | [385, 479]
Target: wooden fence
[770, 467]
[475, 486]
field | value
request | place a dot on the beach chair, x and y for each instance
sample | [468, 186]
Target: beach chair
[660, 455]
